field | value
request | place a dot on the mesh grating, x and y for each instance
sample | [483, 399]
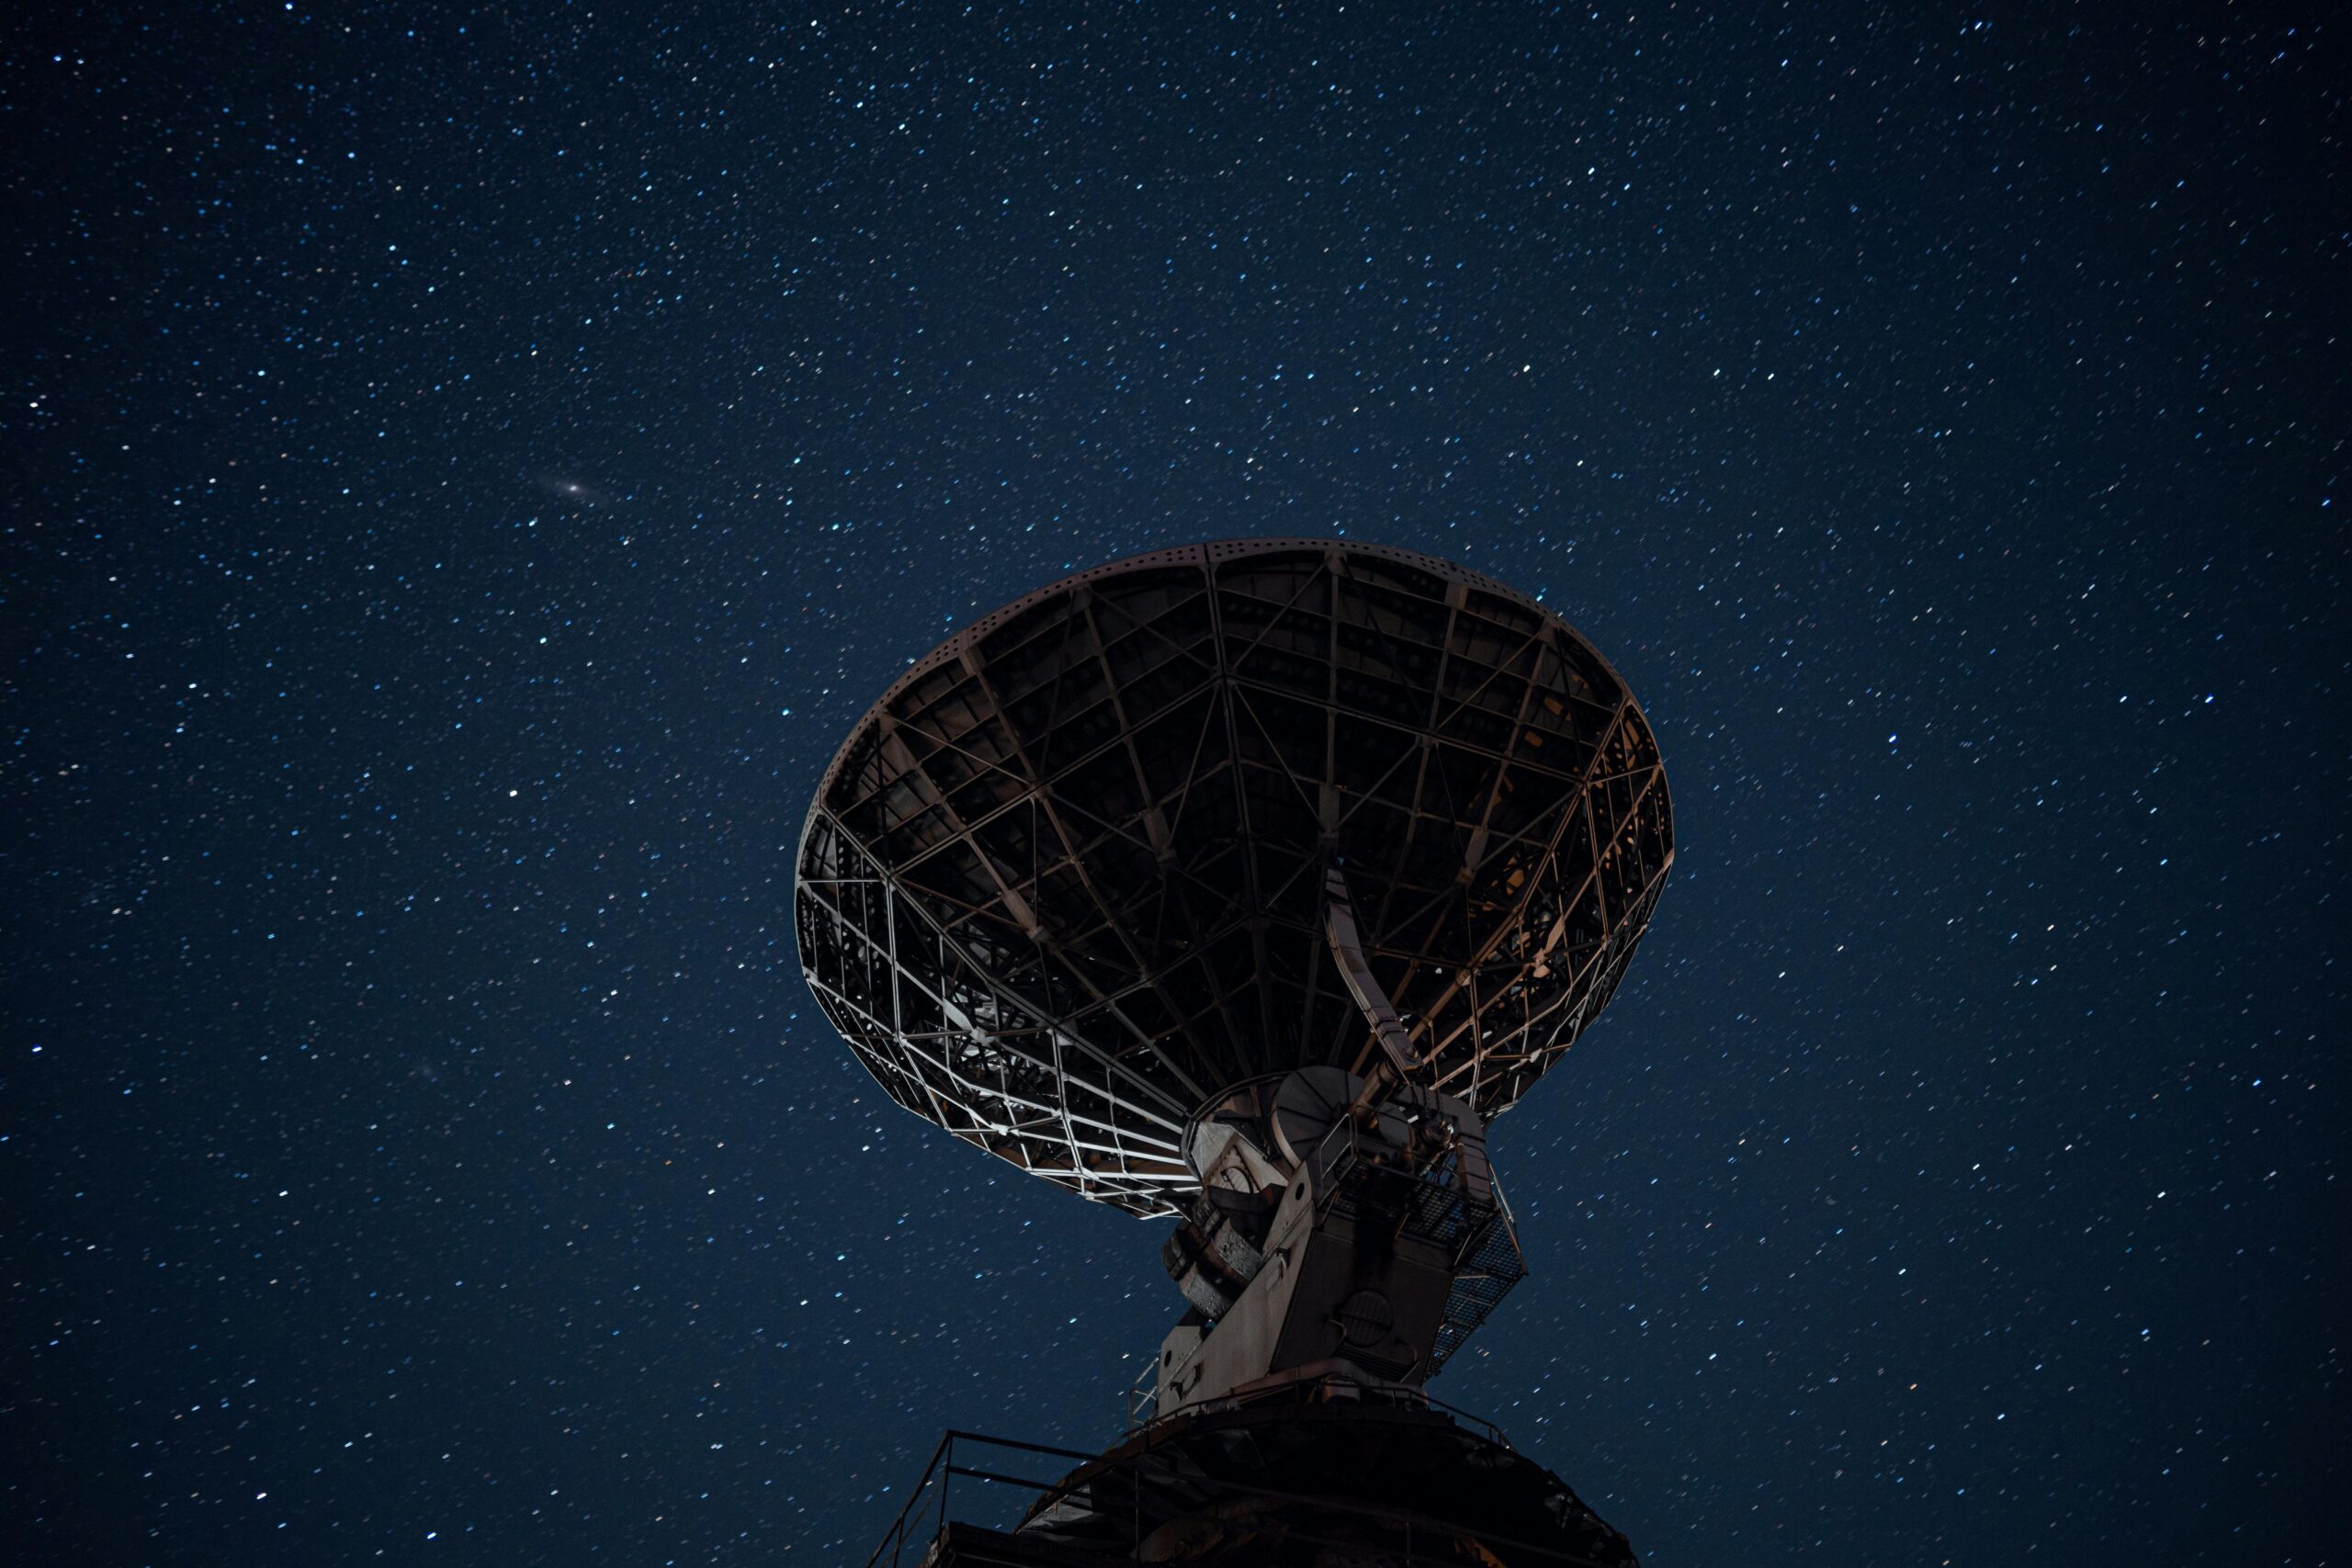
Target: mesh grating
[1490, 1266]
[1063, 882]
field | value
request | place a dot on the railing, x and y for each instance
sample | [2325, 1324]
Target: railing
[1344, 1147]
[1142, 1399]
[1476, 1228]
[926, 1508]
[938, 1481]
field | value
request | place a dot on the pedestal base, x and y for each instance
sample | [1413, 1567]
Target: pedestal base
[1314, 1479]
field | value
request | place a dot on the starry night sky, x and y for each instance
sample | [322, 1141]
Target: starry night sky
[466, 471]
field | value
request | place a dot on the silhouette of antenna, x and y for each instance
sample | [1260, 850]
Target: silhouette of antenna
[1244, 883]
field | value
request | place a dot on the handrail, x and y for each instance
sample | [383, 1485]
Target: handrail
[895, 1536]
[1024, 1447]
[895, 1539]
[990, 1475]
[943, 1469]
[1138, 1400]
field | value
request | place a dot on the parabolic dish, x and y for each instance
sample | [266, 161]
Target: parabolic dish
[1065, 882]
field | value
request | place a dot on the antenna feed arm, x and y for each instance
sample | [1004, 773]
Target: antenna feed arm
[1355, 971]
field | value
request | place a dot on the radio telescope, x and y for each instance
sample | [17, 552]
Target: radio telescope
[1244, 883]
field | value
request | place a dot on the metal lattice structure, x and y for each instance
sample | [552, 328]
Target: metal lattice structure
[1065, 882]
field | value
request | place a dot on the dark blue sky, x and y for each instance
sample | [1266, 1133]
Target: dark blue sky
[466, 471]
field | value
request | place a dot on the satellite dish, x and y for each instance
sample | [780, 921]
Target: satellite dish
[1068, 885]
